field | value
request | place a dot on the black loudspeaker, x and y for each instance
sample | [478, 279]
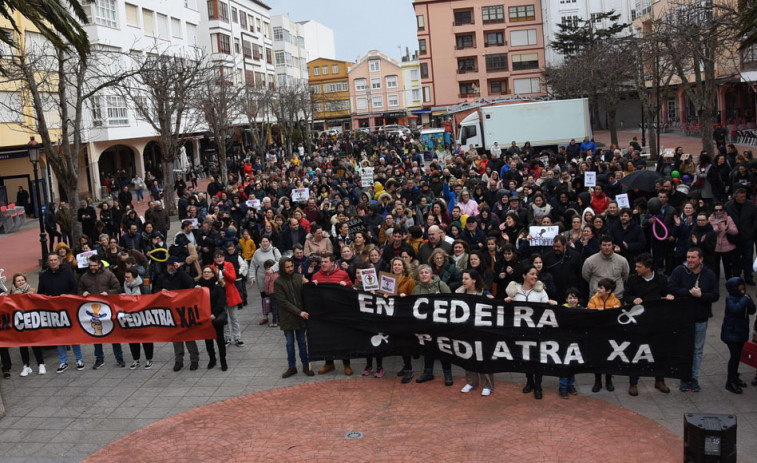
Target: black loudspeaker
[709, 438]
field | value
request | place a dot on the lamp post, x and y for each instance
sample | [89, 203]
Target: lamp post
[35, 150]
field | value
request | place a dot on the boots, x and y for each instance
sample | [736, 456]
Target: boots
[597, 383]
[732, 386]
[447, 378]
[224, 366]
[737, 381]
[608, 383]
[212, 362]
[537, 387]
[529, 384]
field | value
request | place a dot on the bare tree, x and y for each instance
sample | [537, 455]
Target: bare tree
[163, 92]
[287, 108]
[258, 107]
[57, 84]
[221, 102]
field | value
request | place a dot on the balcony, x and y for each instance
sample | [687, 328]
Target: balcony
[463, 22]
[469, 95]
[467, 69]
[502, 44]
[465, 46]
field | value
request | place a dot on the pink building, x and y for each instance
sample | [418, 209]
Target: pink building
[470, 49]
[376, 91]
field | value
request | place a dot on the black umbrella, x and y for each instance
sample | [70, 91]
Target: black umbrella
[642, 180]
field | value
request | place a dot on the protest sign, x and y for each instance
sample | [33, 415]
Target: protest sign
[300, 195]
[590, 179]
[542, 236]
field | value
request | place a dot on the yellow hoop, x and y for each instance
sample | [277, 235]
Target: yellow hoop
[149, 254]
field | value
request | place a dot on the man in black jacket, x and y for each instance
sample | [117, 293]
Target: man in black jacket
[56, 281]
[744, 214]
[627, 236]
[646, 285]
[564, 264]
[172, 279]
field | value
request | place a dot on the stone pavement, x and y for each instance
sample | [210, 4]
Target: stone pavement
[414, 422]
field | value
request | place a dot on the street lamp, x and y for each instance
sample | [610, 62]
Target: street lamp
[35, 150]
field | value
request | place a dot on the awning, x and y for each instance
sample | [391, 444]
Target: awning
[420, 111]
[749, 76]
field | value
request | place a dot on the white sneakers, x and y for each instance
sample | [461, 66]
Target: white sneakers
[42, 369]
[26, 370]
[486, 391]
[466, 388]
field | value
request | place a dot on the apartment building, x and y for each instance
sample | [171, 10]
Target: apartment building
[290, 56]
[319, 40]
[376, 91]
[471, 49]
[330, 90]
[411, 88]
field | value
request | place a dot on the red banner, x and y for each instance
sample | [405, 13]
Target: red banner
[168, 316]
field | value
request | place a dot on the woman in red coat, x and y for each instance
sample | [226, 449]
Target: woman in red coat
[227, 274]
[599, 200]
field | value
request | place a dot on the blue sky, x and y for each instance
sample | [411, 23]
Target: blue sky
[358, 25]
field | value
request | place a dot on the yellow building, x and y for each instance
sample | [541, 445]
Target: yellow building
[329, 85]
[17, 121]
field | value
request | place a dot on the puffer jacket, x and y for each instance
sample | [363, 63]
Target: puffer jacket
[536, 294]
[435, 286]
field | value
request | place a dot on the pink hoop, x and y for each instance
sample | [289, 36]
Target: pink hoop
[654, 229]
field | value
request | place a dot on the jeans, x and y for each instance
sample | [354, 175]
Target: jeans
[300, 335]
[744, 255]
[700, 335]
[232, 328]
[140, 194]
[63, 355]
[117, 352]
[565, 383]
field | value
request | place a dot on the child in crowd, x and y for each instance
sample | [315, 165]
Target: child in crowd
[269, 279]
[604, 299]
[568, 384]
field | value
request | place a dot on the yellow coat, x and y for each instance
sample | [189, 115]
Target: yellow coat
[248, 248]
[596, 302]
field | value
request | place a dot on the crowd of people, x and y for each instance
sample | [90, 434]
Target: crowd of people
[458, 221]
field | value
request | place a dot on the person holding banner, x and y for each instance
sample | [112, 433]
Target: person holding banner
[228, 275]
[172, 279]
[56, 281]
[428, 283]
[219, 317]
[21, 286]
[100, 281]
[134, 286]
[472, 283]
[530, 290]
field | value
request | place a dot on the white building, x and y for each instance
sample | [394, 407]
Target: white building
[114, 137]
[290, 56]
[411, 86]
[319, 40]
[575, 12]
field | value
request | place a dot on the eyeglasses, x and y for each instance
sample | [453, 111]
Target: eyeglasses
[718, 209]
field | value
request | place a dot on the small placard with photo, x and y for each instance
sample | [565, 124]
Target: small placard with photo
[590, 179]
[623, 201]
[369, 278]
[387, 284]
[300, 195]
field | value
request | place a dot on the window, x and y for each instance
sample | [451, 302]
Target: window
[463, 17]
[530, 85]
[221, 43]
[570, 21]
[374, 65]
[316, 89]
[466, 65]
[191, 4]
[212, 9]
[335, 69]
[317, 71]
[377, 102]
[132, 15]
[97, 112]
[105, 13]
[414, 74]
[494, 38]
[464, 41]
[162, 26]
[176, 28]
[257, 52]
[493, 14]
[192, 34]
[496, 62]
[247, 49]
[6, 51]
[424, 70]
[223, 11]
[10, 107]
[117, 111]
[269, 57]
[359, 85]
[325, 70]
[421, 46]
[498, 87]
[362, 103]
[416, 95]
[749, 55]
[237, 46]
[426, 94]
[234, 15]
[391, 81]
[249, 78]
[279, 57]
[392, 100]
[596, 18]
[375, 83]
[421, 21]
[523, 38]
[468, 88]
[525, 61]
[148, 23]
[522, 13]
[243, 19]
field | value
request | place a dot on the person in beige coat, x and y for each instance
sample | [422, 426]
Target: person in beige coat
[317, 241]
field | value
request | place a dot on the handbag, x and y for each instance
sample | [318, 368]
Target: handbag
[221, 319]
[749, 354]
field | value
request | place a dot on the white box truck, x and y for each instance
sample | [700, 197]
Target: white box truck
[546, 124]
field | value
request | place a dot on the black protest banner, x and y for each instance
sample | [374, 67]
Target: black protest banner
[488, 335]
